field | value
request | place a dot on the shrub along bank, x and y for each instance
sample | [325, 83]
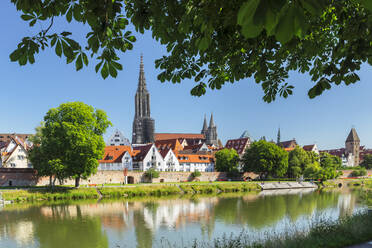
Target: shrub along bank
[344, 232]
[63, 193]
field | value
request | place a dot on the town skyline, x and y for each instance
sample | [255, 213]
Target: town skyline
[32, 90]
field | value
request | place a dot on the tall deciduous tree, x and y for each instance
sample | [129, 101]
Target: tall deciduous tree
[298, 159]
[266, 159]
[227, 160]
[213, 42]
[71, 142]
[367, 161]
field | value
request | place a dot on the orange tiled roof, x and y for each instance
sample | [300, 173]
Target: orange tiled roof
[173, 144]
[289, 149]
[195, 158]
[114, 154]
[167, 136]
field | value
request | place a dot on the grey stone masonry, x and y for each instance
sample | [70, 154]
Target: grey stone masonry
[143, 124]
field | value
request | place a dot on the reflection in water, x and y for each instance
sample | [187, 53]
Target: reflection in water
[143, 223]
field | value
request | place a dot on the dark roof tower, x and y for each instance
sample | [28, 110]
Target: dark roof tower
[353, 136]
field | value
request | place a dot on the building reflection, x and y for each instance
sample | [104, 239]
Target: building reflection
[139, 222]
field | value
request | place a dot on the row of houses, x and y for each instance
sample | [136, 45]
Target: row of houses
[186, 153]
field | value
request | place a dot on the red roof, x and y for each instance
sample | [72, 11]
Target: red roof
[141, 152]
[239, 145]
[114, 154]
[308, 148]
[195, 158]
[168, 136]
[173, 144]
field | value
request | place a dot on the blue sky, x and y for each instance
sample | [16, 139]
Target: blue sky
[28, 92]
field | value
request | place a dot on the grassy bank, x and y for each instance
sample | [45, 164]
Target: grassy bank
[344, 232]
[47, 194]
[64, 193]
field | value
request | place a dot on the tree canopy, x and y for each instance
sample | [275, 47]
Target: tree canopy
[227, 160]
[70, 142]
[266, 159]
[367, 161]
[298, 159]
[213, 42]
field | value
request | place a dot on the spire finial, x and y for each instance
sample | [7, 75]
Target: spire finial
[141, 79]
[211, 121]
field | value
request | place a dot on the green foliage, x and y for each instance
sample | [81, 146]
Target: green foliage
[140, 191]
[327, 169]
[214, 42]
[266, 159]
[367, 161]
[196, 174]
[359, 172]
[152, 173]
[227, 160]
[70, 142]
[298, 159]
[48, 194]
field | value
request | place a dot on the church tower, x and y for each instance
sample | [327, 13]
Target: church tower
[205, 127]
[143, 124]
[211, 135]
[352, 145]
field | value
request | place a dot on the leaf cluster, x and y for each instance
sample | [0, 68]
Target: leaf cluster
[107, 37]
[215, 42]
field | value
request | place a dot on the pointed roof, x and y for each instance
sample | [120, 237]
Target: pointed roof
[353, 136]
[205, 126]
[211, 122]
[141, 78]
[245, 134]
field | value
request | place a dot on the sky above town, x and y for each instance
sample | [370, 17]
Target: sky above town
[28, 92]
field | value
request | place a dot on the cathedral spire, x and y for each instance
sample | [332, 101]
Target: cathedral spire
[205, 126]
[141, 78]
[211, 122]
[278, 138]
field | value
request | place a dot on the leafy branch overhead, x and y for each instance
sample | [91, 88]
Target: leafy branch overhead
[214, 42]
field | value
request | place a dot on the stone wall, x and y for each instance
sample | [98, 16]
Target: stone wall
[17, 177]
[28, 177]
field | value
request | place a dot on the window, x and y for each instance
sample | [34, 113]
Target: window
[117, 140]
[21, 157]
[13, 165]
[116, 135]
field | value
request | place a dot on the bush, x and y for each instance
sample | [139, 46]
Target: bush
[196, 174]
[358, 173]
[152, 173]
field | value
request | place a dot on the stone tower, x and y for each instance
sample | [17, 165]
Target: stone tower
[205, 127]
[143, 124]
[352, 145]
[211, 135]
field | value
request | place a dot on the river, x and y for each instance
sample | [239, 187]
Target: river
[156, 222]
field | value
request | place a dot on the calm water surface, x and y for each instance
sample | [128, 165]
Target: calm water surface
[147, 223]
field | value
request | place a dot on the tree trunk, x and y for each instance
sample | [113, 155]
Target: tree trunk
[51, 181]
[77, 182]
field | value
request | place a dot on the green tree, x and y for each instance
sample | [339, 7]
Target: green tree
[367, 161]
[70, 142]
[330, 161]
[266, 159]
[227, 160]
[298, 159]
[213, 42]
[152, 173]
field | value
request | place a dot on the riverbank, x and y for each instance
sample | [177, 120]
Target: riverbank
[65, 193]
[347, 231]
